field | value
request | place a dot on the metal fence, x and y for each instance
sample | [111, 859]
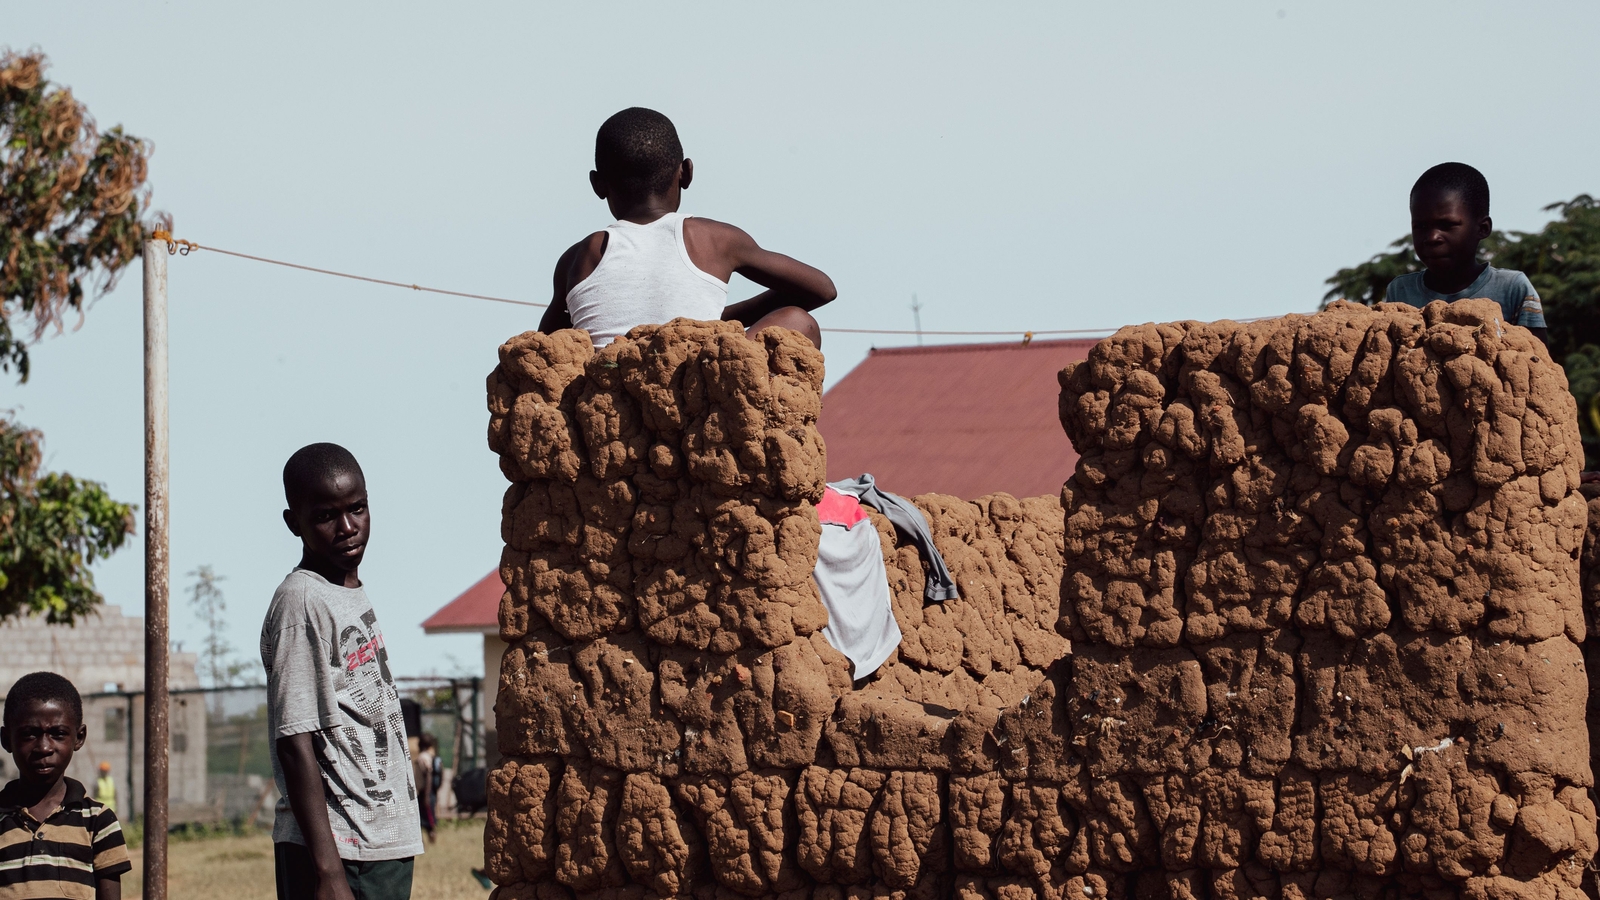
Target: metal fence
[219, 770]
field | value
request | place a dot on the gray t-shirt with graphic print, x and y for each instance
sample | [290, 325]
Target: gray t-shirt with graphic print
[1519, 302]
[328, 674]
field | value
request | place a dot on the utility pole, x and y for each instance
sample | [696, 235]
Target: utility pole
[916, 316]
[156, 576]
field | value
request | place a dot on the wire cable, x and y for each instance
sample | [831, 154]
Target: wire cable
[184, 248]
[176, 245]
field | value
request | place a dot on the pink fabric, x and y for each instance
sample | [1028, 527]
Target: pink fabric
[840, 509]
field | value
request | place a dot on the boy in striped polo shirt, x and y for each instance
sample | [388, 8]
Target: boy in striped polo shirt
[55, 840]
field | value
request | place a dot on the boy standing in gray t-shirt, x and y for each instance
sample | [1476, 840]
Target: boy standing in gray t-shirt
[1449, 218]
[347, 822]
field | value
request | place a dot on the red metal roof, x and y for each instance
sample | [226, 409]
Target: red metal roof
[477, 610]
[965, 419]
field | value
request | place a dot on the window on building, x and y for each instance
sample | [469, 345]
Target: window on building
[116, 721]
[180, 738]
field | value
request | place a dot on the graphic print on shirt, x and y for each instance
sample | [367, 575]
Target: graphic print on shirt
[334, 789]
[371, 689]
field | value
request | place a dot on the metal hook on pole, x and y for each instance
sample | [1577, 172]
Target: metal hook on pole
[177, 246]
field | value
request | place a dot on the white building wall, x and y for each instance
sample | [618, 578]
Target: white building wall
[493, 650]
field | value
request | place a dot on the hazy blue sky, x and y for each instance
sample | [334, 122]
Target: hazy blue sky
[1016, 166]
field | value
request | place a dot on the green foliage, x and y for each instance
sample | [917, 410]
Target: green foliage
[1369, 282]
[239, 744]
[1583, 378]
[1563, 262]
[205, 831]
[70, 203]
[52, 528]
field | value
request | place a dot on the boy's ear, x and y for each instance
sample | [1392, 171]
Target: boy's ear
[1485, 227]
[598, 184]
[5, 739]
[685, 174]
[288, 519]
[83, 735]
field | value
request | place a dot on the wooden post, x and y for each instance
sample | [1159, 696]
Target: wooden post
[156, 577]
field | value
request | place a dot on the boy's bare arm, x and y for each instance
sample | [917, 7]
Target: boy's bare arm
[304, 782]
[726, 249]
[574, 266]
[108, 889]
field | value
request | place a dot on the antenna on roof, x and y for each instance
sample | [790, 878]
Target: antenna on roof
[916, 316]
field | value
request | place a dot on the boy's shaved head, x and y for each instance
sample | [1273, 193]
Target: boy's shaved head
[1455, 178]
[638, 152]
[314, 467]
[42, 687]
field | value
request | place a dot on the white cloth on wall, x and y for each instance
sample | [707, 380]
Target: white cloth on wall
[854, 585]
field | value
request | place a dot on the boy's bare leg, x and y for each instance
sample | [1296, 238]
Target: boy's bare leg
[792, 317]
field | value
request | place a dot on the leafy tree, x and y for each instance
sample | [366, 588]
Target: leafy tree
[70, 206]
[1563, 262]
[52, 527]
[70, 202]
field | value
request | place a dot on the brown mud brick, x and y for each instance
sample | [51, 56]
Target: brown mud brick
[908, 840]
[1590, 578]
[520, 838]
[976, 813]
[587, 805]
[745, 826]
[1310, 620]
[832, 806]
[656, 848]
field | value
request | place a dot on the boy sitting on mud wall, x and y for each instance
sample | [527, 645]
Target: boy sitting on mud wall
[655, 264]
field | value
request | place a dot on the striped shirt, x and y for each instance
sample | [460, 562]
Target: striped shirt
[63, 855]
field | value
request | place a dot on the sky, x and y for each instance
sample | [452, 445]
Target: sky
[1017, 166]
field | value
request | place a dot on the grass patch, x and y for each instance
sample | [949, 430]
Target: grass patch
[239, 866]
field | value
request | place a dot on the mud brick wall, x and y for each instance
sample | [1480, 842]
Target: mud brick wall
[1322, 583]
[1589, 568]
[1293, 554]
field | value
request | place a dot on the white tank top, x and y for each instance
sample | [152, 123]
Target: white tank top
[644, 278]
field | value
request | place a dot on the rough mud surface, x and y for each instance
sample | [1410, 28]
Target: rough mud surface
[1319, 575]
[1589, 568]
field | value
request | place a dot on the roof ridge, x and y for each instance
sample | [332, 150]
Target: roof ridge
[969, 348]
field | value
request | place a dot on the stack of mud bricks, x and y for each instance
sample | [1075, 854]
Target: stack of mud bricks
[1306, 622]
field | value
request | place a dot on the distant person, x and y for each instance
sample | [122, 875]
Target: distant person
[346, 825]
[425, 773]
[655, 264]
[55, 840]
[105, 787]
[1449, 218]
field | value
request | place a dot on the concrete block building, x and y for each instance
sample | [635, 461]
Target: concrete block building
[103, 655]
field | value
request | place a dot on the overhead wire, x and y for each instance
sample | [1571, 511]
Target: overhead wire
[184, 248]
[180, 246]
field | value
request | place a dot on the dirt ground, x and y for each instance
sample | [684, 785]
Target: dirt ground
[240, 868]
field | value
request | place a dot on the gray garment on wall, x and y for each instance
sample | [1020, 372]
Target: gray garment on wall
[912, 525]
